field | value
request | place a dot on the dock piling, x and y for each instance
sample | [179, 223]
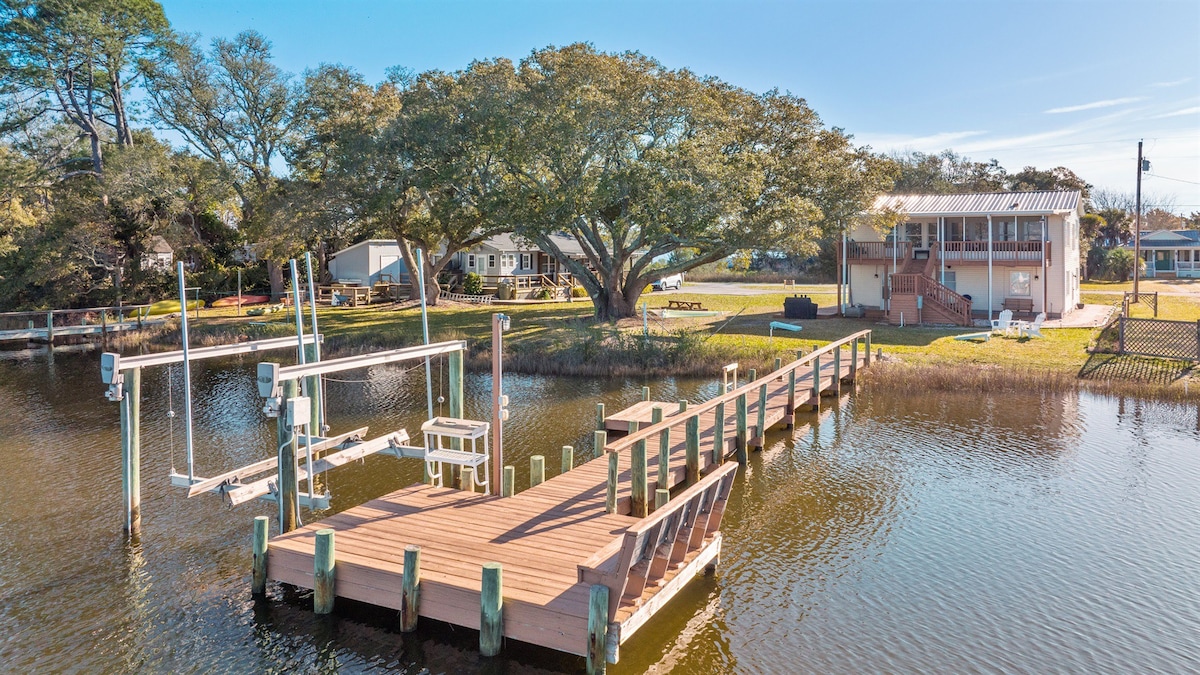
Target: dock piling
[597, 629]
[740, 439]
[718, 452]
[537, 470]
[692, 448]
[661, 497]
[835, 387]
[288, 443]
[600, 417]
[410, 592]
[258, 584]
[599, 440]
[664, 448]
[854, 359]
[610, 499]
[816, 384]
[568, 458]
[867, 351]
[323, 572]
[762, 415]
[510, 478]
[790, 415]
[491, 609]
[683, 404]
[778, 363]
[645, 393]
[131, 449]
[637, 480]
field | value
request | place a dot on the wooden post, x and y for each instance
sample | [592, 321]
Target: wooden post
[740, 439]
[131, 449]
[718, 452]
[258, 583]
[637, 480]
[50, 329]
[597, 630]
[791, 401]
[507, 485]
[456, 384]
[467, 476]
[313, 385]
[816, 383]
[139, 318]
[286, 477]
[599, 440]
[836, 385]
[867, 352]
[854, 359]
[661, 497]
[1121, 335]
[692, 448]
[104, 327]
[491, 609]
[752, 375]
[610, 500]
[600, 417]
[683, 404]
[664, 448]
[537, 470]
[410, 591]
[568, 458]
[778, 363]
[762, 415]
[323, 572]
[645, 393]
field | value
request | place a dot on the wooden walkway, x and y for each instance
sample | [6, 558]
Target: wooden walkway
[559, 540]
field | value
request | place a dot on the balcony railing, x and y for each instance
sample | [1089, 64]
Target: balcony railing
[1020, 251]
[878, 250]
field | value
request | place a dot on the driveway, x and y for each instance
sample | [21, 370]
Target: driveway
[731, 288]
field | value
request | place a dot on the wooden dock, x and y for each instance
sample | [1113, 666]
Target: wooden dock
[588, 556]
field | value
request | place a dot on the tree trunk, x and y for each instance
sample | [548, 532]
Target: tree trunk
[275, 276]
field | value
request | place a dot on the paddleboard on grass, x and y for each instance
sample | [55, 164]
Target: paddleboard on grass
[232, 301]
[259, 311]
[169, 307]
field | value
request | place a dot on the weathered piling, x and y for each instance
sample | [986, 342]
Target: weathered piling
[537, 470]
[854, 359]
[131, 449]
[508, 483]
[610, 499]
[661, 497]
[692, 448]
[664, 448]
[597, 629]
[288, 442]
[835, 387]
[637, 480]
[762, 415]
[50, 330]
[323, 572]
[491, 609]
[645, 393]
[599, 440]
[600, 417]
[568, 458]
[816, 384]
[258, 582]
[718, 452]
[740, 440]
[867, 347]
[410, 591]
[778, 363]
[790, 415]
[683, 404]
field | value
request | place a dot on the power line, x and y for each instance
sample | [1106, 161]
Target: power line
[1178, 180]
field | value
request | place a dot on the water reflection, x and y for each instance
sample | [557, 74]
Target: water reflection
[889, 533]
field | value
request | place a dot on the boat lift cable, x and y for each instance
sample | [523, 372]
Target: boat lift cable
[171, 412]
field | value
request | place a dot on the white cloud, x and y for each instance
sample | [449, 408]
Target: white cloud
[1179, 113]
[931, 143]
[1172, 83]
[1107, 103]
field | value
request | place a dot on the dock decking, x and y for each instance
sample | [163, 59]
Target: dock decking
[558, 540]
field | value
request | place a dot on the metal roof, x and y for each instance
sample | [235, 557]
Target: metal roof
[982, 203]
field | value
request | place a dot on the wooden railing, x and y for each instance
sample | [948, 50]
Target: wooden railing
[933, 292]
[964, 251]
[746, 400]
[523, 282]
[660, 543]
[877, 250]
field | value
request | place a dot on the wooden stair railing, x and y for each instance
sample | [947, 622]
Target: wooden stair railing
[661, 542]
[934, 293]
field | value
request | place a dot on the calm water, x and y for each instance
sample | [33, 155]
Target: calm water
[948, 534]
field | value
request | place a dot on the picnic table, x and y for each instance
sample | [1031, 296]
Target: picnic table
[685, 304]
[352, 293]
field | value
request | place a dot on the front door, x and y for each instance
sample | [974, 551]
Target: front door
[1164, 261]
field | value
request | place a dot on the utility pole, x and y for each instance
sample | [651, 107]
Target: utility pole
[1137, 231]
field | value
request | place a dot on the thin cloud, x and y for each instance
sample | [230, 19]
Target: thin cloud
[1172, 83]
[932, 142]
[1107, 103]
[1179, 113]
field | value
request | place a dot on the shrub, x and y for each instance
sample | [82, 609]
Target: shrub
[473, 284]
[545, 294]
[578, 292]
[1121, 263]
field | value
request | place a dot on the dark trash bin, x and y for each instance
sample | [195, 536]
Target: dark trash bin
[799, 307]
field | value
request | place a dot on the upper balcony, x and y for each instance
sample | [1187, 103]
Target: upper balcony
[1008, 253]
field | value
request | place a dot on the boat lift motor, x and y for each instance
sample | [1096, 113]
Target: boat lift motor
[110, 374]
[269, 388]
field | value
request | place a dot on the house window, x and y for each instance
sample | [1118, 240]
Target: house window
[912, 232]
[491, 260]
[950, 280]
[470, 261]
[526, 261]
[1019, 283]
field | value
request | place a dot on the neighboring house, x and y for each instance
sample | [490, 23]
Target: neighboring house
[367, 262]
[159, 255]
[505, 255]
[1170, 253]
[962, 257]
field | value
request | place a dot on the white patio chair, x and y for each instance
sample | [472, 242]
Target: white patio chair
[1003, 323]
[1033, 329]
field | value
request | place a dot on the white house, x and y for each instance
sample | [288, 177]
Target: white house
[961, 257]
[367, 262]
[505, 255]
[1171, 253]
[158, 255]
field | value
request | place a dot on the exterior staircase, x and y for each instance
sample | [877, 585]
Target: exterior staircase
[937, 303]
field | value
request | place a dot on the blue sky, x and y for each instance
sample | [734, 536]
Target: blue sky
[1050, 83]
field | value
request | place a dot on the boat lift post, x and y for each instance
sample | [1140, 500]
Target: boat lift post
[187, 373]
